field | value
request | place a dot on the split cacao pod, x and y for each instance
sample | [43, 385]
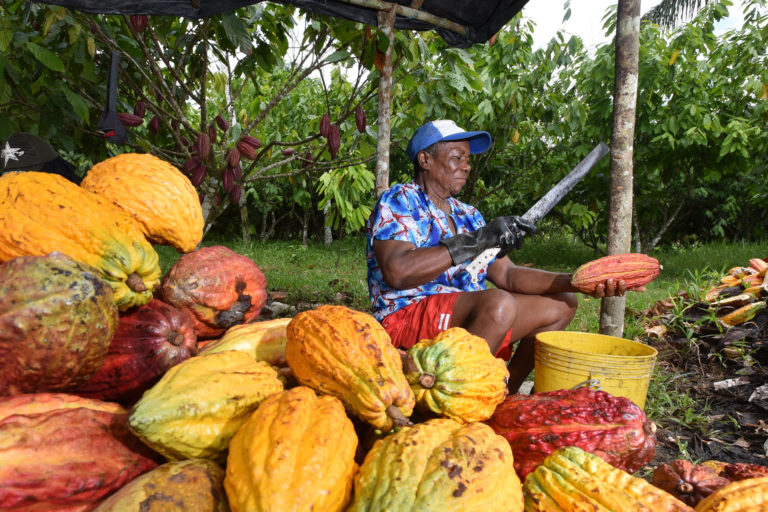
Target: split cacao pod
[456, 376]
[159, 197]
[571, 479]
[222, 123]
[346, 353]
[139, 22]
[140, 109]
[611, 427]
[741, 496]
[57, 318]
[282, 458]
[334, 140]
[634, 269]
[154, 125]
[129, 119]
[325, 125]
[439, 464]
[263, 341]
[688, 482]
[219, 287]
[197, 406]
[360, 120]
[203, 145]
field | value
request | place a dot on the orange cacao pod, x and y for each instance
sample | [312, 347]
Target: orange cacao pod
[203, 145]
[325, 125]
[334, 140]
[634, 269]
[129, 119]
[360, 119]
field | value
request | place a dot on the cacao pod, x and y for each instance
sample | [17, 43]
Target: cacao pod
[688, 482]
[174, 124]
[288, 151]
[139, 22]
[222, 123]
[246, 150]
[203, 145]
[234, 157]
[634, 269]
[212, 134]
[237, 171]
[198, 175]
[571, 479]
[360, 118]
[140, 109]
[128, 119]
[251, 141]
[307, 160]
[190, 164]
[334, 140]
[235, 194]
[263, 341]
[184, 141]
[154, 125]
[228, 179]
[609, 426]
[743, 470]
[325, 125]
[741, 496]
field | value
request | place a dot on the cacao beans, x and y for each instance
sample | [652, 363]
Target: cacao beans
[203, 145]
[634, 269]
[228, 179]
[139, 22]
[360, 120]
[325, 125]
[334, 140]
[129, 119]
[234, 157]
[223, 124]
[235, 194]
[140, 109]
[154, 125]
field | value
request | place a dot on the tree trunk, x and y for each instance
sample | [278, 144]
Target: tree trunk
[246, 226]
[305, 228]
[386, 24]
[327, 231]
[622, 136]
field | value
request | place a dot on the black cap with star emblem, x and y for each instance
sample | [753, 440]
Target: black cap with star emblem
[27, 152]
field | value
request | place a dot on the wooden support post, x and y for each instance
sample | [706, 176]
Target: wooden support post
[386, 23]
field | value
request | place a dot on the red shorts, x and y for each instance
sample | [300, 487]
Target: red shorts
[426, 319]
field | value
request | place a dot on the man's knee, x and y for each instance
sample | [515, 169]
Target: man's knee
[500, 307]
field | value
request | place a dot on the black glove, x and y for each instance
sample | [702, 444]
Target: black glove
[504, 232]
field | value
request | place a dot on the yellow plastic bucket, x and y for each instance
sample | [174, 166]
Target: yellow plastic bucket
[564, 359]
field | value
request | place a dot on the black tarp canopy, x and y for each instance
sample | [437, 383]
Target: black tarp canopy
[470, 22]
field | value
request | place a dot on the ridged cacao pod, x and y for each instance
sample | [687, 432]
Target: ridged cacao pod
[140, 109]
[190, 164]
[263, 341]
[154, 125]
[246, 150]
[234, 157]
[184, 141]
[571, 479]
[688, 482]
[456, 376]
[251, 141]
[219, 287]
[438, 464]
[199, 404]
[237, 172]
[360, 120]
[288, 151]
[62, 452]
[334, 140]
[130, 120]
[346, 353]
[149, 341]
[222, 123]
[609, 426]
[282, 458]
[57, 318]
[325, 125]
[235, 194]
[743, 496]
[174, 124]
[195, 484]
[139, 22]
[228, 179]
[634, 269]
[198, 175]
[203, 145]
[212, 134]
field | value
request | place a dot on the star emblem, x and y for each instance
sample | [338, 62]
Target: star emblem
[10, 153]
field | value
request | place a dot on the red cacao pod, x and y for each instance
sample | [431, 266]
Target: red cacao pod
[237, 172]
[190, 164]
[128, 119]
[688, 482]
[234, 157]
[154, 125]
[228, 179]
[149, 341]
[334, 140]
[62, 452]
[611, 427]
[219, 287]
[203, 145]
[360, 120]
[246, 150]
[222, 123]
[174, 124]
[288, 151]
[235, 194]
[140, 109]
[184, 140]
[251, 141]
[198, 175]
[139, 22]
[212, 133]
[742, 470]
[307, 160]
[325, 125]
[634, 269]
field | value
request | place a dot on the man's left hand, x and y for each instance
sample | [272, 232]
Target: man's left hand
[612, 288]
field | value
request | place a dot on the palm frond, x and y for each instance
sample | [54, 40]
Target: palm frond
[670, 13]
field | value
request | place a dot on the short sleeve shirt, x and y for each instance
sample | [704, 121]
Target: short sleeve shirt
[405, 212]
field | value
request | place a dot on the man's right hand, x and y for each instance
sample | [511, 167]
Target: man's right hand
[504, 232]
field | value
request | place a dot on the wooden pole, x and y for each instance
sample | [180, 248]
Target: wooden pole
[622, 137]
[410, 12]
[386, 23]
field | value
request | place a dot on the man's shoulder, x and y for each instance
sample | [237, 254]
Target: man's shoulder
[399, 192]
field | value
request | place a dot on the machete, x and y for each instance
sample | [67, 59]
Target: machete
[545, 204]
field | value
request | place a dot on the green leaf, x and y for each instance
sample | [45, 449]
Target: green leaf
[236, 30]
[337, 56]
[79, 105]
[46, 57]
[5, 40]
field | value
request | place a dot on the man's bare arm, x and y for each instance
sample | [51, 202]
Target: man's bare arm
[405, 266]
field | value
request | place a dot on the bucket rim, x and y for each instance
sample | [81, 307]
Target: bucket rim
[551, 346]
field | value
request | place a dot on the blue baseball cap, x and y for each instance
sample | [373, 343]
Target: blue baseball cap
[446, 130]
